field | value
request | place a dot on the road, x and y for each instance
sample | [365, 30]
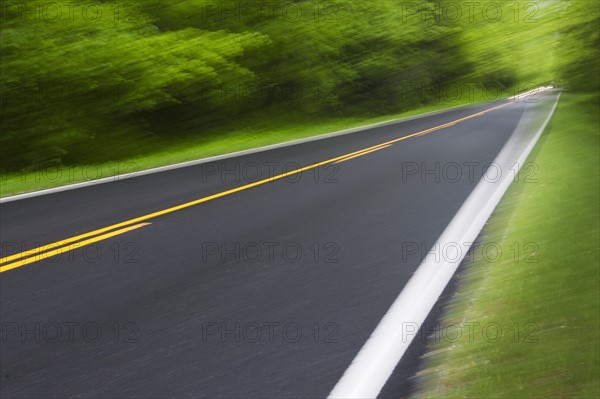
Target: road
[266, 291]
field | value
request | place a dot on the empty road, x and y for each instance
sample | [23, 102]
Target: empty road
[253, 276]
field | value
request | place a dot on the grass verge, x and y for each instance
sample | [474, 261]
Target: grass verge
[537, 305]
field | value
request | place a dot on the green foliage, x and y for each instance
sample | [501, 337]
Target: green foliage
[108, 80]
[578, 44]
[69, 81]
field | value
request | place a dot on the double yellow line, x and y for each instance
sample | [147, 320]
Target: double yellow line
[59, 247]
[69, 244]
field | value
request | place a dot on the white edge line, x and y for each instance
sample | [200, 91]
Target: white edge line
[376, 360]
[195, 162]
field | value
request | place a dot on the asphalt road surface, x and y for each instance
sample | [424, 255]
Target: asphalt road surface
[269, 291]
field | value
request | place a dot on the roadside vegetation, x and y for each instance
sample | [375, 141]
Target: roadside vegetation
[534, 312]
[231, 136]
[91, 89]
[94, 89]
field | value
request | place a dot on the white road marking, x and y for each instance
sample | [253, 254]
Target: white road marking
[378, 357]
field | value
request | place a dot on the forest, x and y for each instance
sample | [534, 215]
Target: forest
[91, 81]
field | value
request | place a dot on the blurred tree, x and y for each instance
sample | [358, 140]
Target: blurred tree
[76, 80]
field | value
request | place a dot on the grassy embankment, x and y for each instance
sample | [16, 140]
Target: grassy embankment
[550, 288]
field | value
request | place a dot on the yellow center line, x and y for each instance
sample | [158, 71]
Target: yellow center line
[363, 153]
[219, 195]
[172, 209]
[68, 248]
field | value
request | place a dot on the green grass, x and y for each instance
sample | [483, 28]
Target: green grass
[227, 138]
[556, 299]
